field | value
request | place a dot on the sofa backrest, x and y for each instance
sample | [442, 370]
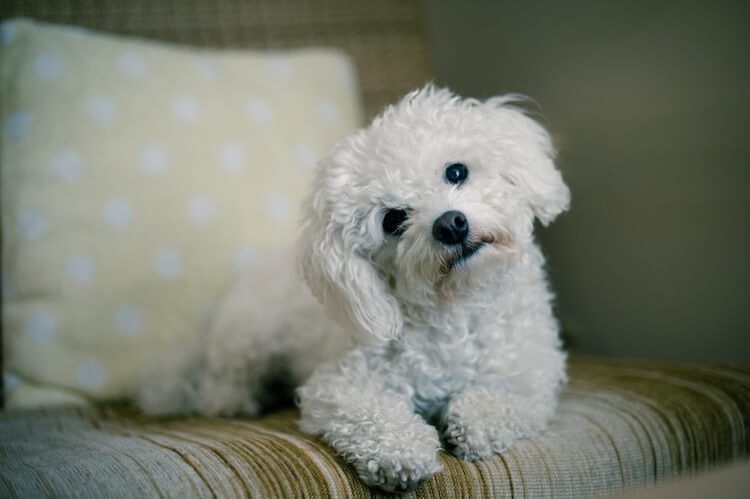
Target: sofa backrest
[386, 39]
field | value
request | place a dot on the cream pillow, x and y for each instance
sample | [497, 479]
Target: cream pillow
[137, 179]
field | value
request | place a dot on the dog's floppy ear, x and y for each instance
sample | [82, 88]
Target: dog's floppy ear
[331, 257]
[531, 167]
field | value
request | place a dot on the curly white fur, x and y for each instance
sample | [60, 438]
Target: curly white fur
[422, 346]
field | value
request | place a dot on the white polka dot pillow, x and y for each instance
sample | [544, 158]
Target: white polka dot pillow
[137, 178]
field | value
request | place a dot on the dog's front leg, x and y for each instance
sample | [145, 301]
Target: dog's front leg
[373, 428]
[479, 421]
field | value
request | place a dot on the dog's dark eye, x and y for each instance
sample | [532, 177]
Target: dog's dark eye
[393, 222]
[456, 173]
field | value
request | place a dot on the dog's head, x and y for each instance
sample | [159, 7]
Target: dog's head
[434, 198]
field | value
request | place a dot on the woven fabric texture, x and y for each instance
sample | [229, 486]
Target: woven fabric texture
[621, 425]
[386, 39]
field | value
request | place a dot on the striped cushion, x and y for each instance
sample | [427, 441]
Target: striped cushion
[620, 425]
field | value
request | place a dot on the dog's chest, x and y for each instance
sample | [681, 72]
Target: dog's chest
[435, 364]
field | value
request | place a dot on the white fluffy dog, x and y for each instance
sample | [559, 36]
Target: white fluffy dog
[418, 243]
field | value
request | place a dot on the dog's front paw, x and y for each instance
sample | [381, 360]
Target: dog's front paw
[395, 474]
[473, 441]
[477, 425]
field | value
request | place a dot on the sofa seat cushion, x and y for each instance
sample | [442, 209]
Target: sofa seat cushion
[621, 425]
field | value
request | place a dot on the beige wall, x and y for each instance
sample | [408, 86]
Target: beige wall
[650, 106]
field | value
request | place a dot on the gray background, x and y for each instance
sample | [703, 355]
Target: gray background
[648, 104]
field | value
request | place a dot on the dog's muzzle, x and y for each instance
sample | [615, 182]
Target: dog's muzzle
[452, 229]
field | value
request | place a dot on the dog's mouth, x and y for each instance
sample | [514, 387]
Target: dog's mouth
[467, 250]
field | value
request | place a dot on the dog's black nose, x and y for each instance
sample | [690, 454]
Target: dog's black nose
[451, 227]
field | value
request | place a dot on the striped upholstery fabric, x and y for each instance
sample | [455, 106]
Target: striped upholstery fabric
[621, 425]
